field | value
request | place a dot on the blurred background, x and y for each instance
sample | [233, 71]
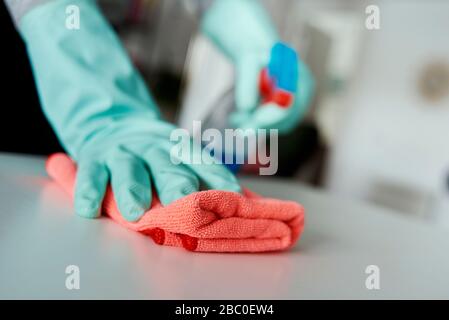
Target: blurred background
[378, 128]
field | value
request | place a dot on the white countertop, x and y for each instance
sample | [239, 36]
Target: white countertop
[40, 236]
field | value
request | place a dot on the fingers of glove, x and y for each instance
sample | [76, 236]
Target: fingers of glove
[272, 116]
[172, 181]
[215, 175]
[90, 187]
[247, 83]
[268, 116]
[130, 181]
[237, 119]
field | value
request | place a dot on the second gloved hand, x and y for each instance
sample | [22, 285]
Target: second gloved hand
[244, 32]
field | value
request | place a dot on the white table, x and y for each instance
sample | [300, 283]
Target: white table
[40, 236]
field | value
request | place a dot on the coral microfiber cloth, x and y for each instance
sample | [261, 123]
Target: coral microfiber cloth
[206, 221]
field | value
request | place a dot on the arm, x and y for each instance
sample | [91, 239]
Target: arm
[103, 114]
[85, 79]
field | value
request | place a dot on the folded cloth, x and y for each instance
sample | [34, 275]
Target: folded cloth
[206, 221]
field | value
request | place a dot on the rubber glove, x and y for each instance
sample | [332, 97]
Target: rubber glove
[104, 116]
[244, 32]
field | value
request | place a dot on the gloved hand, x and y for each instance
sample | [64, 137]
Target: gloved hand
[246, 35]
[134, 153]
[104, 116]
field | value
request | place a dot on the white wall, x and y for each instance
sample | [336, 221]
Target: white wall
[394, 144]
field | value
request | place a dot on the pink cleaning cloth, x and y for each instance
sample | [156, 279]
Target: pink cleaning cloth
[206, 221]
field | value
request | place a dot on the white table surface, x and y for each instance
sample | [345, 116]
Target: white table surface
[40, 236]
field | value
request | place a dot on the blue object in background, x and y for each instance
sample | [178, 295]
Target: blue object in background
[283, 67]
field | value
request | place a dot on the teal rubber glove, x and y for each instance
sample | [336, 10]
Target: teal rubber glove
[104, 116]
[244, 32]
